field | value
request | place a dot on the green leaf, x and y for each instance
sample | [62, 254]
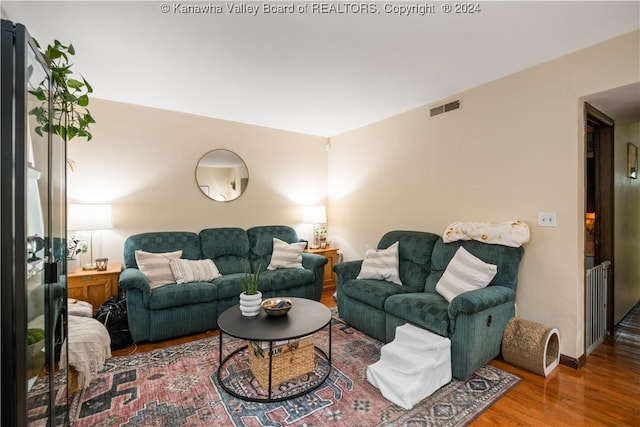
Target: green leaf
[72, 131]
[39, 94]
[86, 83]
[71, 50]
[89, 117]
[53, 54]
[75, 84]
[83, 100]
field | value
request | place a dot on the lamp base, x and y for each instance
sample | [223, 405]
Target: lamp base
[89, 267]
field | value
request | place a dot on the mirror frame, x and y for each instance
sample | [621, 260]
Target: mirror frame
[205, 187]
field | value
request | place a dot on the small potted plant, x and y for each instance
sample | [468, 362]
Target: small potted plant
[251, 297]
[74, 249]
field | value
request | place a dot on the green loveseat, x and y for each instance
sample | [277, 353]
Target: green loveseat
[474, 321]
[175, 310]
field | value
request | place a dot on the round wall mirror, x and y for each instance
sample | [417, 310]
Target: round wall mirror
[222, 175]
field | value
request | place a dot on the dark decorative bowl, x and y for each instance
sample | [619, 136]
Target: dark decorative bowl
[277, 306]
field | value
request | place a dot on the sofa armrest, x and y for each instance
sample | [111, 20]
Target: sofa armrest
[132, 279]
[347, 270]
[313, 262]
[480, 299]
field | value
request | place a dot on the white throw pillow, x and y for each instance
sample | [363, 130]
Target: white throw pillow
[381, 264]
[187, 271]
[155, 266]
[465, 272]
[286, 255]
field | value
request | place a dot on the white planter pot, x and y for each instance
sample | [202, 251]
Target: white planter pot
[250, 304]
[73, 265]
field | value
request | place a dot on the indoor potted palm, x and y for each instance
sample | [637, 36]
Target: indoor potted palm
[251, 297]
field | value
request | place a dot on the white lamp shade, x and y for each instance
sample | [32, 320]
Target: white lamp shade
[314, 215]
[89, 217]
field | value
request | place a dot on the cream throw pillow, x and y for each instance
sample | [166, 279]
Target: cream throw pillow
[188, 271]
[286, 255]
[155, 266]
[465, 272]
[381, 264]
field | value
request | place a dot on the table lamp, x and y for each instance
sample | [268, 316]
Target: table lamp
[315, 215]
[89, 218]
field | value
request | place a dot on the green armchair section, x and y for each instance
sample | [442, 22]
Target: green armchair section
[176, 310]
[474, 321]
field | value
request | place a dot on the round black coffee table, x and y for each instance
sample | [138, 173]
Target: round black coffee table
[305, 318]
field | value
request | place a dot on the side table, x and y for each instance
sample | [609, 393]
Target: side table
[94, 286]
[331, 253]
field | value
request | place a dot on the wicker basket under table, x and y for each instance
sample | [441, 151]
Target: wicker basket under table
[290, 360]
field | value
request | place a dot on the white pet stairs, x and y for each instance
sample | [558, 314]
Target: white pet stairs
[411, 367]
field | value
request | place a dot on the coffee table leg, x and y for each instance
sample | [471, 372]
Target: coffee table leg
[270, 367]
[220, 353]
[330, 321]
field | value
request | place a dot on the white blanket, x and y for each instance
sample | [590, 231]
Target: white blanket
[79, 308]
[509, 233]
[89, 347]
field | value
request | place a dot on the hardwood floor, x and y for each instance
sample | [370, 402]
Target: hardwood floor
[605, 392]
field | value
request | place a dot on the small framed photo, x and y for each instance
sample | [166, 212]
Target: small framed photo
[632, 161]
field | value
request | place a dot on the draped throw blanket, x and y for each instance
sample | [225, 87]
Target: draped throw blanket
[510, 233]
[89, 347]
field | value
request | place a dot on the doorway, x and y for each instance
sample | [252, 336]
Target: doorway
[599, 187]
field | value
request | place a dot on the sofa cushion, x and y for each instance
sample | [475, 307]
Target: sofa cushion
[188, 271]
[161, 241]
[156, 267]
[230, 285]
[414, 255]
[426, 310]
[261, 242]
[228, 247]
[286, 278]
[286, 255]
[179, 295]
[372, 292]
[465, 272]
[506, 258]
[381, 264]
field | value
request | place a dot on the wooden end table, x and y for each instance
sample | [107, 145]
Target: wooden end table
[331, 253]
[94, 286]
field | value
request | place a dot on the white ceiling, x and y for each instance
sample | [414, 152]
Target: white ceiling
[315, 73]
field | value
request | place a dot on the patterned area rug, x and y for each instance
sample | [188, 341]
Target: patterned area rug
[178, 386]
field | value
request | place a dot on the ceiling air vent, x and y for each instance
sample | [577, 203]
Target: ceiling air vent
[444, 108]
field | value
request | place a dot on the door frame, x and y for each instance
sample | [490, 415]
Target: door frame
[604, 198]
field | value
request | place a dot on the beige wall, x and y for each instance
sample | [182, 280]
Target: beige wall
[142, 160]
[515, 148]
[626, 223]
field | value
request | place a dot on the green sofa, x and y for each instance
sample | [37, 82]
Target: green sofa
[474, 321]
[175, 310]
